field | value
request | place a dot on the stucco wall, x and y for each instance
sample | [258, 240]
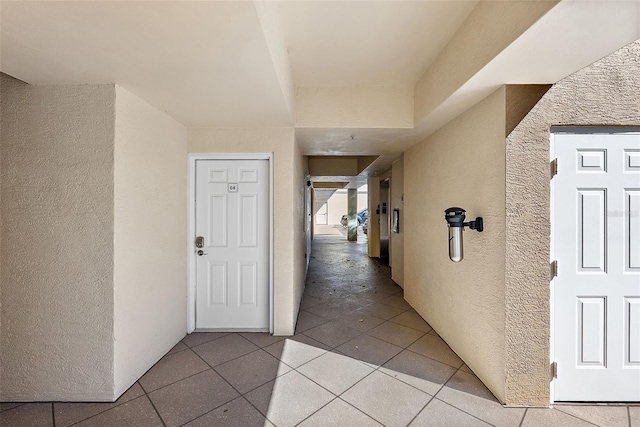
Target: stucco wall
[149, 236]
[396, 240]
[463, 164]
[603, 94]
[300, 249]
[287, 229]
[57, 242]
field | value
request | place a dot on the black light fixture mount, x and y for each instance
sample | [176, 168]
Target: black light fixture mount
[455, 221]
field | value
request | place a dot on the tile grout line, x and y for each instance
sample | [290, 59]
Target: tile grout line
[432, 396]
[218, 407]
[463, 411]
[205, 342]
[428, 357]
[359, 410]
[235, 358]
[214, 370]
[317, 410]
[420, 411]
[389, 342]
[459, 409]
[15, 407]
[152, 405]
[575, 416]
[176, 352]
[307, 362]
[227, 361]
[53, 415]
[629, 415]
[345, 402]
[230, 385]
[176, 381]
[410, 385]
[523, 417]
[106, 410]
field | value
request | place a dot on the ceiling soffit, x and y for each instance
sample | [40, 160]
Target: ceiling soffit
[339, 165]
[205, 63]
[345, 71]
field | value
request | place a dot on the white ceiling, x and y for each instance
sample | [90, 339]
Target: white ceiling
[348, 43]
[205, 63]
[574, 34]
[212, 63]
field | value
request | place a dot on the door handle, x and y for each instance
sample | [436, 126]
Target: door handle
[201, 252]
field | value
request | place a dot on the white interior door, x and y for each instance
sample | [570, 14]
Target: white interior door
[232, 267]
[596, 242]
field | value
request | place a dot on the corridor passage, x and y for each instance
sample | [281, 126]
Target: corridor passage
[361, 356]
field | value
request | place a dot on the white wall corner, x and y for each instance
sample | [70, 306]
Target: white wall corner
[271, 24]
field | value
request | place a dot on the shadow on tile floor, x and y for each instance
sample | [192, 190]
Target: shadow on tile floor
[361, 356]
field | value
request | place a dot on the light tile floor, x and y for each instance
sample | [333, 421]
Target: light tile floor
[360, 357]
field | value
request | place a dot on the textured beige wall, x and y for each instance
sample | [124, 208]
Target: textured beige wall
[300, 169]
[396, 240]
[57, 242]
[463, 164]
[603, 94]
[149, 236]
[287, 231]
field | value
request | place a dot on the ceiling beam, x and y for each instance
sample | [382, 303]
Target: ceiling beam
[487, 31]
[271, 23]
[354, 107]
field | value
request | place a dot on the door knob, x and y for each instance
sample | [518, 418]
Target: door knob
[201, 252]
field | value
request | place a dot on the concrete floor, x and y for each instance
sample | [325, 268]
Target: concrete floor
[361, 356]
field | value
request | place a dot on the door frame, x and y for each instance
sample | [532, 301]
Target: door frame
[191, 227]
[554, 130]
[552, 254]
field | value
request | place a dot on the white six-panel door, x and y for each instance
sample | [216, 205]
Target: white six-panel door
[232, 271]
[596, 242]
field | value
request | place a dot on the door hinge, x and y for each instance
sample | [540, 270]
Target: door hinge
[554, 370]
[553, 166]
[554, 269]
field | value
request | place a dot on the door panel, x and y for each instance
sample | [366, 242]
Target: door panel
[632, 231]
[596, 240]
[217, 284]
[232, 273]
[632, 331]
[217, 217]
[592, 331]
[248, 214]
[592, 226]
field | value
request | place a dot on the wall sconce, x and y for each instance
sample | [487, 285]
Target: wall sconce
[455, 221]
